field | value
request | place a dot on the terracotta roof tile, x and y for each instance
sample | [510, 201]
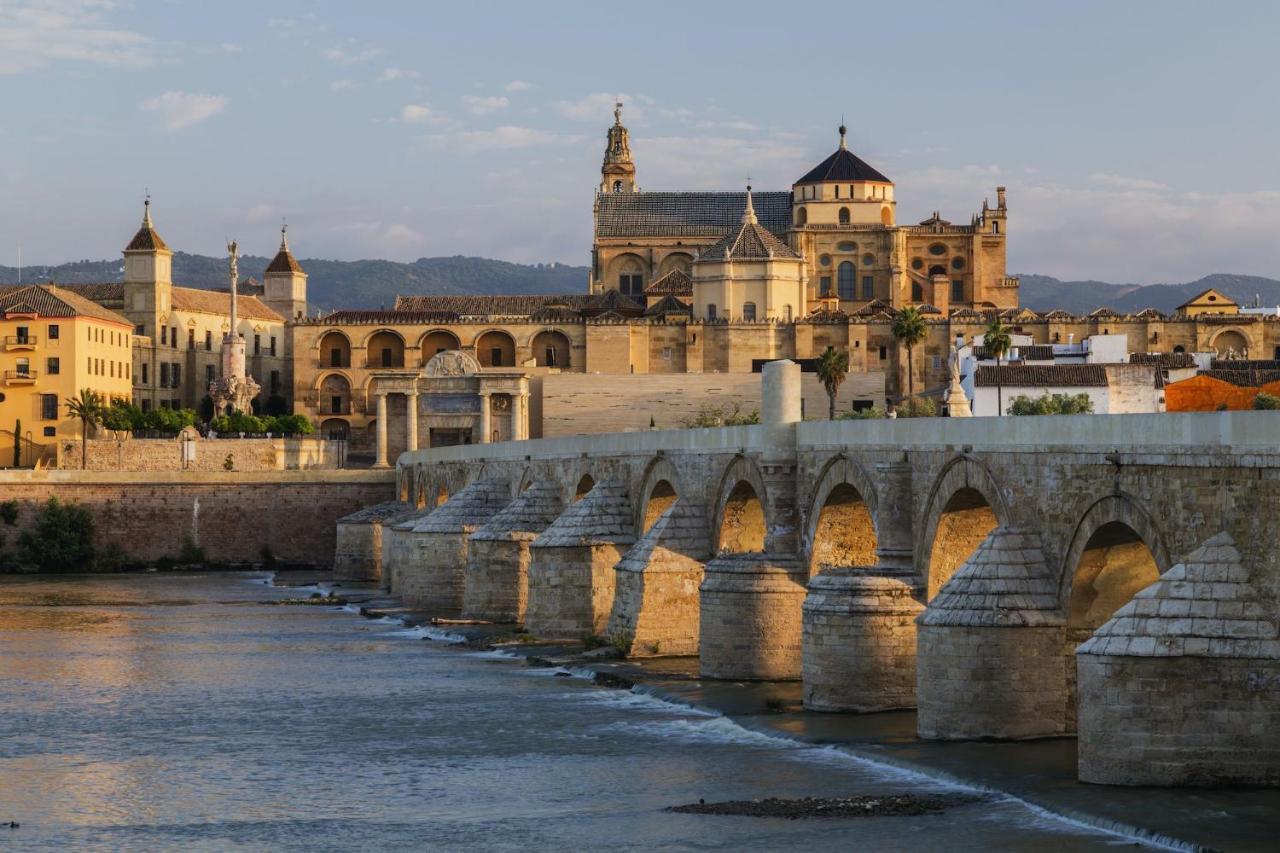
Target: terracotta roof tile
[503, 306]
[49, 300]
[219, 302]
[1042, 376]
[675, 283]
[751, 241]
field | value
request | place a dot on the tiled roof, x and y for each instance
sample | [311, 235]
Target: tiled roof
[109, 293]
[668, 305]
[686, 214]
[357, 317]
[49, 300]
[615, 301]
[872, 308]
[219, 302]
[1244, 378]
[507, 306]
[1167, 360]
[1059, 314]
[843, 166]
[283, 262]
[675, 283]
[146, 240]
[750, 242]
[1042, 376]
[1244, 364]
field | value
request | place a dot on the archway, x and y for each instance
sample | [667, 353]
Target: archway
[437, 341]
[385, 349]
[334, 395]
[661, 498]
[886, 215]
[742, 522]
[628, 272]
[843, 534]
[802, 217]
[551, 349]
[1230, 341]
[844, 216]
[335, 429]
[442, 495]
[335, 350]
[496, 349]
[966, 519]
[676, 261]
[585, 485]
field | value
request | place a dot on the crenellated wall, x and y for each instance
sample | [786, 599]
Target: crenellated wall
[950, 565]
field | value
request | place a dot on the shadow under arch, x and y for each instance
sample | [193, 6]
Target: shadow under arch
[965, 504]
[740, 501]
[660, 488]
[841, 523]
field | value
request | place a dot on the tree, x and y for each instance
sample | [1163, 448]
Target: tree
[1266, 402]
[909, 329]
[996, 341]
[1051, 404]
[87, 408]
[832, 367]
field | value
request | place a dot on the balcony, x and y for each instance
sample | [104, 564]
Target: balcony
[14, 343]
[19, 377]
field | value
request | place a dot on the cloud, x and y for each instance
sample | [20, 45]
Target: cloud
[34, 34]
[343, 85]
[387, 237]
[1123, 182]
[344, 56]
[517, 86]
[228, 47]
[598, 107]
[717, 162]
[502, 137]
[184, 109]
[415, 113]
[389, 74]
[483, 105]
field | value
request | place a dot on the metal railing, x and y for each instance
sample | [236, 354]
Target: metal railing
[20, 375]
[19, 341]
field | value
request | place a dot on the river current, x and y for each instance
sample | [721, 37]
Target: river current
[167, 712]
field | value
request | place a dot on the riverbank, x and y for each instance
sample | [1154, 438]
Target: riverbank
[1039, 773]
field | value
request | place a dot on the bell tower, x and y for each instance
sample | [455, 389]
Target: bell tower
[618, 174]
[148, 276]
[284, 283]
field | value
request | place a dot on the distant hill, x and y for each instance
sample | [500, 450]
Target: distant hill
[344, 284]
[1043, 293]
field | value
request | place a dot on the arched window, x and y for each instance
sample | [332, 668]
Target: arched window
[917, 293]
[617, 186]
[844, 216]
[844, 280]
[749, 311]
[631, 279]
[786, 313]
[711, 311]
[802, 216]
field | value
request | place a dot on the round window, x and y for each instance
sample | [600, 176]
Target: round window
[937, 249]
[847, 247]
[868, 260]
[917, 264]
[825, 260]
[957, 263]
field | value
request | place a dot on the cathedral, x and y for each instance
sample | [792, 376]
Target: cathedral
[829, 243]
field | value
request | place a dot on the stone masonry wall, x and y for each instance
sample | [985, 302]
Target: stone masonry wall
[165, 454]
[230, 515]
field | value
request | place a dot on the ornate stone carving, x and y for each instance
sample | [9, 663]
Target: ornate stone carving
[451, 363]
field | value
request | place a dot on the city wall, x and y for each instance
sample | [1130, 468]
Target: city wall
[200, 454]
[230, 515]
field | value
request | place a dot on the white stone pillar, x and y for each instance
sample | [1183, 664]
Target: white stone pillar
[486, 427]
[382, 431]
[411, 420]
[520, 417]
[781, 393]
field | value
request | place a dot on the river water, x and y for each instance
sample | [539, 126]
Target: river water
[159, 712]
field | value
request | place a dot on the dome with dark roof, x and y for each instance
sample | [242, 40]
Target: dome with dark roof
[284, 261]
[146, 240]
[843, 167]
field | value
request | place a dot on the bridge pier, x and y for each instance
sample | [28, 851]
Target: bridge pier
[396, 551]
[571, 576]
[656, 605]
[358, 547]
[435, 571]
[1182, 685]
[990, 662]
[751, 617]
[497, 577]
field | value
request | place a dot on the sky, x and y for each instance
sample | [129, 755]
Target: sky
[1138, 140]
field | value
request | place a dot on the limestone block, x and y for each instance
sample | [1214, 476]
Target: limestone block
[859, 641]
[750, 622]
[497, 576]
[396, 540]
[358, 550]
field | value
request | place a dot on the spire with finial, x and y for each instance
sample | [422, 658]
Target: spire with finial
[146, 211]
[146, 240]
[284, 235]
[749, 215]
[284, 262]
[617, 114]
[843, 130]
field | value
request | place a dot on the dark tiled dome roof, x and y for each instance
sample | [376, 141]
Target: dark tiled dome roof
[843, 166]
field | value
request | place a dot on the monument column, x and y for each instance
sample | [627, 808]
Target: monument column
[382, 431]
[519, 414]
[485, 420]
[411, 420]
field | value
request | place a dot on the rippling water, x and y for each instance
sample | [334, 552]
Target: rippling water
[176, 712]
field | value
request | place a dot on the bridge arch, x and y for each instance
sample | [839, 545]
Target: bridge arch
[840, 526]
[660, 488]
[964, 505]
[741, 521]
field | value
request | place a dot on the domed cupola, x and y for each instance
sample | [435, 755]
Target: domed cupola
[843, 190]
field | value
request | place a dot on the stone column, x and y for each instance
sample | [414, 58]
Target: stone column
[411, 420]
[486, 427]
[382, 431]
[895, 543]
[519, 414]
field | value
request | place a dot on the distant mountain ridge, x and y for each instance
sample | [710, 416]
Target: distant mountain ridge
[1044, 293]
[343, 284]
[375, 283]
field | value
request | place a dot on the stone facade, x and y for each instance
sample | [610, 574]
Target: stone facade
[497, 582]
[200, 454]
[358, 550]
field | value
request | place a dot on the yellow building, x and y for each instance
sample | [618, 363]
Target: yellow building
[53, 344]
[1208, 302]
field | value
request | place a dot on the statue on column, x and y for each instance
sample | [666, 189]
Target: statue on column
[235, 390]
[957, 402]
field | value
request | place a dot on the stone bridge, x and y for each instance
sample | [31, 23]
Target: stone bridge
[1115, 576]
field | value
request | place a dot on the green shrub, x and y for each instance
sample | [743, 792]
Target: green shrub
[9, 512]
[1266, 402]
[61, 540]
[1051, 404]
[916, 407]
[237, 422]
[167, 420]
[122, 416]
[709, 415]
[873, 413]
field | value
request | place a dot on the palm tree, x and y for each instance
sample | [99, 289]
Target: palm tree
[832, 367]
[909, 329]
[87, 408]
[995, 340]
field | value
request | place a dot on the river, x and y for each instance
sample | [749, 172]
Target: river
[166, 712]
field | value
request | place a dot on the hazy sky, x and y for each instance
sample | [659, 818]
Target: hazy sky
[1138, 139]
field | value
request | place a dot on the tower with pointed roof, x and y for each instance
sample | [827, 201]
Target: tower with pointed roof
[148, 276]
[618, 172]
[284, 283]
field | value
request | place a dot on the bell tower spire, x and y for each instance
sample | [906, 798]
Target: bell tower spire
[618, 172]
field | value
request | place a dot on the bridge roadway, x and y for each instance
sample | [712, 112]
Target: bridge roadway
[1114, 576]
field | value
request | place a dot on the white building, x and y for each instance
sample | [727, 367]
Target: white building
[1113, 388]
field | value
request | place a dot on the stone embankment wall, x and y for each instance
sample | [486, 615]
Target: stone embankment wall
[166, 454]
[230, 515]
